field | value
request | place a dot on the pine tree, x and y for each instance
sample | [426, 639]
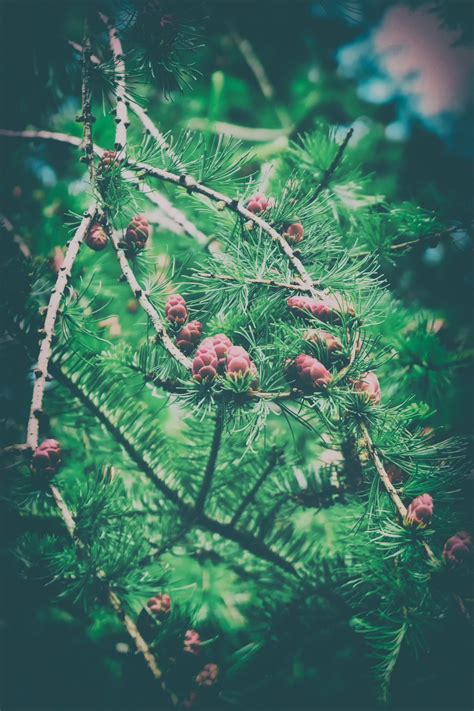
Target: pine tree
[266, 407]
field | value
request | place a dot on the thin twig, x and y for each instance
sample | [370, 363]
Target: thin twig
[389, 487]
[212, 460]
[192, 186]
[186, 226]
[121, 111]
[328, 174]
[86, 116]
[291, 286]
[19, 241]
[258, 70]
[250, 496]
[41, 369]
[146, 304]
[411, 242]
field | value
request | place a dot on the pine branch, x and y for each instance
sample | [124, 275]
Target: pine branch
[389, 487]
[246, 541]
[121, 112]
[41, 369]
[412, 242]
[19, 241]
[291, 286]
[328, 174]
[258, 70]
[250, 496]
[146, 304]
[185, 225]
[86, 116]
[212, 460]
[188, 183]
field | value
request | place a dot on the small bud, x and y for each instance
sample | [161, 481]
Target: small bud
[208, 675]
[160, 605]
[294, 233]
[457, 549]
[97, 237]
[259, 203]
[176, 310]
[310, 373]
[192, 642]
[369, 387]
[419, 512]
[137, 233]
[47, 457]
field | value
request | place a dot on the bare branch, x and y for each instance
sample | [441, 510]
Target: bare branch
[121, 112]
[184, 224]
[41, 369]
[146, 304]
[326, 179]
[212, 460]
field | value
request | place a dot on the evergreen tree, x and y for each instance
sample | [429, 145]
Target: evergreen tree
[261, 409]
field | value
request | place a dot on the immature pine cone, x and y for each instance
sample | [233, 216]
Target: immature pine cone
[332, 343]
[221, 344]
[107, 160]
[205, 363]
[176, 310]
[47, 457]
[259, 203]
[310, 373]
[457, 549]
[192, 642]
[137, 232]
[208, 675]
[160, 605]
[189, 336]
[97, 237]
[368, 385]
[239, 364]
[294, 233]
[419, 512]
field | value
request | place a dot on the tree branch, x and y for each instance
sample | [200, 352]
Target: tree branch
[328, 174]
[121, 112]
[291, 286]
[184, 224]
[212, 460]
[250, 496]
[41, 369]
[146, 304]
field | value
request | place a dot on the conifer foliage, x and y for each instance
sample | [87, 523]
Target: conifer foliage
[299, 459]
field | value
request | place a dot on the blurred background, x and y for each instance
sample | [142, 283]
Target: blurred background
[401, 75]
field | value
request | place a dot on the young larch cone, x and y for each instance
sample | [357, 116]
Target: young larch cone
[192, 642]
[310, 373]
[221, 344]
[208, 675]
[159, 605]
[259, 203]
[457, 549]
[189, 336]
[294, 233]
[419, 512]
[368, 385]
[317, 335]
[324, 308]
[47, 457]
[137, 232]
[205, 363]
[97, 237]
[238, 362]
[176, 310]
[107, 160]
